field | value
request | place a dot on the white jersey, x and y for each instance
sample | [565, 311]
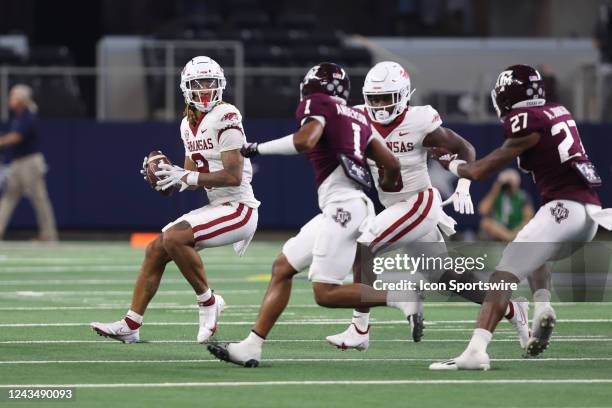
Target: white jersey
[220, 130]
[404, 137]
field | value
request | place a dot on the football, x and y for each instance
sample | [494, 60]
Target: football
[154, 159]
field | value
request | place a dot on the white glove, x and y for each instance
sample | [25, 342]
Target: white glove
[175, 175]
[143, 171]
[461, 199]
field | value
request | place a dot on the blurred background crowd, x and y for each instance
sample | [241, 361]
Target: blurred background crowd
[104, 76]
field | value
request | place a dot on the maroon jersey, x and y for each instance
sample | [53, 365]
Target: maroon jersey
[346, 132]
[550, 160]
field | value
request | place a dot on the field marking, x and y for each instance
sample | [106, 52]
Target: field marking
[310, 322]
[111, 268]
[163, 306]
[498, 340]
[96, 282]
[53, 341]
[319, 382]
[56, 293]
[297, 360]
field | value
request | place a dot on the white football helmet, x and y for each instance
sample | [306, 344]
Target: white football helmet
[386, 78]
[202, 83]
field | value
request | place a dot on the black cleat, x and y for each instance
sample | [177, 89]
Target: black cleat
[540, 338]
[417, 326]
[220, 351]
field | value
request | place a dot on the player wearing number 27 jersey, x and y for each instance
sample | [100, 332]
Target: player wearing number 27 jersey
[545, 140]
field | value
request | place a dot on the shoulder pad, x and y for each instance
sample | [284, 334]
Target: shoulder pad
[226, 115]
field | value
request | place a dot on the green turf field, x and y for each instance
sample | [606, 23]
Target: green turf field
[49, 294]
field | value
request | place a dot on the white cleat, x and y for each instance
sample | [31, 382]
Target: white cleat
[467, 361]
[351, 338]
[544, 320]
[117, 331]
[208, 319]
[238, 353]
[520, 320]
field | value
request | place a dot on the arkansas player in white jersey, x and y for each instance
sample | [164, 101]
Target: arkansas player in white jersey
[212, 135]
[337, 139]
[413, 210]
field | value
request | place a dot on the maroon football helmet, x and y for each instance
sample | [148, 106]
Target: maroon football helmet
[518, 86]
[327, 78]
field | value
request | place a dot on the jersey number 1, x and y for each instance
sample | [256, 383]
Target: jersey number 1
[357, 140]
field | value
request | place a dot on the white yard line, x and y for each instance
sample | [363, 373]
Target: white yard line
[121, 306]
[98, 282]
[298, 360]
[54, 341]
[320, 382]
[57, 293]
[109, 268]
[309, 322]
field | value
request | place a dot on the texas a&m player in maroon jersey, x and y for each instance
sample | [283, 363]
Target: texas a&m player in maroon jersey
[545, 140]
[336, 139]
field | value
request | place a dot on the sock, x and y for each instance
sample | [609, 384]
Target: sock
[480, 340]
[133, 319]
[254, 339]
[206, 299]
[509, 314]
[361, 321]
[541, 297]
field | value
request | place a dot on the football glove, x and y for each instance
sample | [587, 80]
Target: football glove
[143, 171]
[461, 199]
[175, 175]
[249, 150]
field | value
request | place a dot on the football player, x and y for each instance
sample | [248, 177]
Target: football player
[336, 139]
[212, 135]
[413, 209]
[545, 140]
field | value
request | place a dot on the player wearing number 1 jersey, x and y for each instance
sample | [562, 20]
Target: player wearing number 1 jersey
[545, 140]
[413, 214]
[212, 135]
[337, 139]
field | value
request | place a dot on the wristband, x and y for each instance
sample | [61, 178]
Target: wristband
[452, 166]
[192, 178]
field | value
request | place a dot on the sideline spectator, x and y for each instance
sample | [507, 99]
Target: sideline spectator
[27, 168]
[506, 208]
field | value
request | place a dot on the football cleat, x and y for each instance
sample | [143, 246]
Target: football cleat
[351, 338]
[237, 353]
[520, 320]
[543, 324]
[208, 318]
[117, 331]
[416, 326]
[469, 360]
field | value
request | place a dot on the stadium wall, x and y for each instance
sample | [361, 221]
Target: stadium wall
[94, 178]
